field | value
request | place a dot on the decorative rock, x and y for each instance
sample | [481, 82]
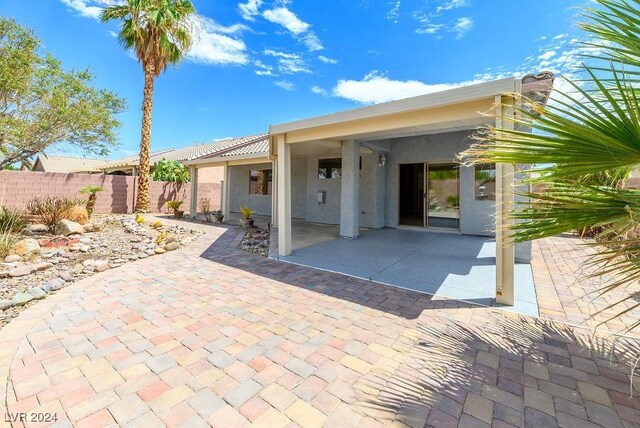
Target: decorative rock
[21, 271]
[132, 257]
[101, 265]
[88, 262]
[171, 246]
[12, 258]
[142, 256]
[160, 250]
[150, 252]
[37, 292]
[85, 240]
[42, 266]
[67, 227]
[20, 299]
[5, 304]
[53, 285]
[38, 228]
[26, 247]
[66, 276]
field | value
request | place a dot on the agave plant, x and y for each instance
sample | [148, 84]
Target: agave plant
[583, 142]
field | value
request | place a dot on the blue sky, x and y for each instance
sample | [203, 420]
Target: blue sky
[262, 62]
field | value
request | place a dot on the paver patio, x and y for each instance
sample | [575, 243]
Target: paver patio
[210, 336]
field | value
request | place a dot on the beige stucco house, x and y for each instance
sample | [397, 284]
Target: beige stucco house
[392, 165]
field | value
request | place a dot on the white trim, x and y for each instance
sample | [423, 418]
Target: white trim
[262, 157]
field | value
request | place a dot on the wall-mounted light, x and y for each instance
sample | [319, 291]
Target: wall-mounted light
[382, 161]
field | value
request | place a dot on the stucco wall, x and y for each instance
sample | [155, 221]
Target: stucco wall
[476, 217]
[239, 177]
[239, 189]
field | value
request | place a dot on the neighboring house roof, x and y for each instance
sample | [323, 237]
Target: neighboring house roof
[260, 146]
[248, 146]
[134, 160]
[66, 164]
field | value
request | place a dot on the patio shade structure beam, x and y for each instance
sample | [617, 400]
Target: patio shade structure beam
[284, 195]
[505, 250]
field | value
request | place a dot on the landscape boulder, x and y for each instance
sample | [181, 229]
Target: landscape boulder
[67, 227]
[25, 247]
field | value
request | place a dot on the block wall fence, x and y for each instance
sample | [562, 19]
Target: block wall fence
[118, 196]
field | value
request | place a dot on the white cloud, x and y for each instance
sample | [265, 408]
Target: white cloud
[433, 21]
[462, 27]
[286, 85]
[377, 88]
[312, 42]
[287, 19]
[89, 8]
[263, 69]
[289, 63]
[327, 60]
[319, 91]
[249, 9]
[113, 34]
[430, 28]
[214, 44]
[394, 13]
[547, 55]
[298, 28]
[451, 4]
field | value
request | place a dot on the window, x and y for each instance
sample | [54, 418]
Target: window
[485, 184]
[330, 168]
[261, 182]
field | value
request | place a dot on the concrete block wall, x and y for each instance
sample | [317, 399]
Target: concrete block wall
[17, 188]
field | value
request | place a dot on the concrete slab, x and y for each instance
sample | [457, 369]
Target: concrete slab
[448, 265]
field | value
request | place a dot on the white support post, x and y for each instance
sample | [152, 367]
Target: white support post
[284, 196]
[274, 194]
[350, 190]
[505, 253]
[193, 209]
[225, 192]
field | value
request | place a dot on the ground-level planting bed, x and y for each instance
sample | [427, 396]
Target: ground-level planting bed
[48, 262]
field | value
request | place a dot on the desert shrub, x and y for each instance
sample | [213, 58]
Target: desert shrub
[205, 206]
[78, 213]
[7, 240]
[156, 224]
[49, 210]
[247, 212]
[12, 220]
[92, 191]
[174, 205]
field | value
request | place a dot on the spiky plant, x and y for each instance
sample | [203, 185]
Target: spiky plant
[591, 131]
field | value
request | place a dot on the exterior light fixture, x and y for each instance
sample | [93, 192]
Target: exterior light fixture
[382, 161]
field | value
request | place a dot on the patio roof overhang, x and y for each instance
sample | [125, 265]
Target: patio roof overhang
[459, 108]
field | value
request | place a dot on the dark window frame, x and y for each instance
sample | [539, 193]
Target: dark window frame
[267, 185]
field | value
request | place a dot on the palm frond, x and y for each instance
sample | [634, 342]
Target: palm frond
[576, 134]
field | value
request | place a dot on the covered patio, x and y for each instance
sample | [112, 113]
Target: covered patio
[370, 145]
[441, 264]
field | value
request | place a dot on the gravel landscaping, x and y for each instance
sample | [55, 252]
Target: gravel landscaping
[42, 263]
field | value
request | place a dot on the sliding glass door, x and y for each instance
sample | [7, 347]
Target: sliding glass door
[442, 201]
[430, 195]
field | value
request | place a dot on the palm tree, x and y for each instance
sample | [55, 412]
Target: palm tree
[159, 32]
[582, 141]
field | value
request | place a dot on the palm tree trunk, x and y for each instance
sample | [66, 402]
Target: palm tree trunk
[142, 199]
